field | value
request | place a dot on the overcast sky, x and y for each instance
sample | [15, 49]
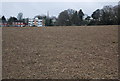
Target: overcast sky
[32, 8]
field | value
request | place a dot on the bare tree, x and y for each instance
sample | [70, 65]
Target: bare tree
[20, 16]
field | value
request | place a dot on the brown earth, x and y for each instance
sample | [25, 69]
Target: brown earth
[86, 52]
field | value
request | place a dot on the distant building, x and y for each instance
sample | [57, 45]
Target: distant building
[18, 24]
[36, 22]
[30, 22]
[5, 24]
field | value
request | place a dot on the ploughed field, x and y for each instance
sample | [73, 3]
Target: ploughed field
[76, 52]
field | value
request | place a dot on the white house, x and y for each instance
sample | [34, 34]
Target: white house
[30, 22]
[36, 22]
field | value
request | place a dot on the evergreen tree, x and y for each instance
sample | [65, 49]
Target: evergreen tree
[3, 19]
[75, 19]
[80, 15]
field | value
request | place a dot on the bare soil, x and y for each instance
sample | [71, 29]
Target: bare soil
[80, 52]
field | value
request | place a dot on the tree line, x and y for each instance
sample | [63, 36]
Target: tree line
[108, 15]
